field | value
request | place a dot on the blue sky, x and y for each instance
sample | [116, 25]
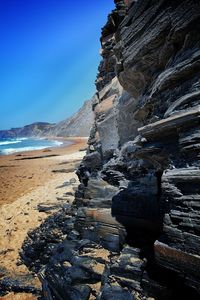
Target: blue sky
[49, 54]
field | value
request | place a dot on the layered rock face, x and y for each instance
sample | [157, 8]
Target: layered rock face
[138, 202]
[153, 103]
[157, 49]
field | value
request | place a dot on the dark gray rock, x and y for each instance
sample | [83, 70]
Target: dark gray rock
[143, 162]
[115, 292]
[92, 160]
[19, 283]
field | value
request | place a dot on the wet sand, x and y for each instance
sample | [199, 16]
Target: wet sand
[25, 183]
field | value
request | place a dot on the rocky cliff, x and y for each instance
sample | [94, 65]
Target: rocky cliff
[77, 125]
[133, 231]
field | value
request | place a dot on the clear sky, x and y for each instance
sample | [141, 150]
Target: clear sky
[49, 54]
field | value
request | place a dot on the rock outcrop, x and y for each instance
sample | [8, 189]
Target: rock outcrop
[135, 222]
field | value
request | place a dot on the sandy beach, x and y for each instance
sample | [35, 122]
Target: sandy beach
[22, 172]
[30, 180]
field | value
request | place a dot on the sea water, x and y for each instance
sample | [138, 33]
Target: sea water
[10, 146]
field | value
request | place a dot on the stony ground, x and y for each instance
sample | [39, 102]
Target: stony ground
[27, 212]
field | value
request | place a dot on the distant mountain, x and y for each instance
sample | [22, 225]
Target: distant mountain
[77, 125]
[37, 129]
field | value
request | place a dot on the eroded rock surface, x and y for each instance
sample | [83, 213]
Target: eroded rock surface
[143, 163]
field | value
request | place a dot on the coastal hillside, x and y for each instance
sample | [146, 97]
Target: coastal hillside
[77, 125]
[134, 226]
[36, 129]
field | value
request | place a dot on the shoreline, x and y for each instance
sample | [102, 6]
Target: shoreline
[66, 141]
[30, 201]
[21, 172]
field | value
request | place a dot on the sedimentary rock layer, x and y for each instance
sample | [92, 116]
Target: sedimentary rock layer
[140, 177]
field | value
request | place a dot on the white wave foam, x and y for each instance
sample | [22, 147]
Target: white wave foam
[14, 150]
[21, 139]
[10, 142]
[57, 143]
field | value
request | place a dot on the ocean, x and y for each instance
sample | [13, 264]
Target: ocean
[10, 146]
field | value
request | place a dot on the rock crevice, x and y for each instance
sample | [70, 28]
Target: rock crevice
[141, 203]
